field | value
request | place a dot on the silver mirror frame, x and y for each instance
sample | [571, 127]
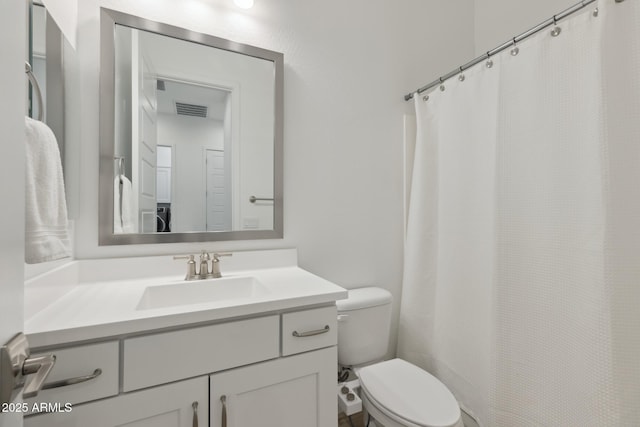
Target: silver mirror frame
[108, 20]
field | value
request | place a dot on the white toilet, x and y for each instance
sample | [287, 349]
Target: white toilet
[394, 392]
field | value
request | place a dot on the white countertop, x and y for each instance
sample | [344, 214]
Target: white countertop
[62, 306]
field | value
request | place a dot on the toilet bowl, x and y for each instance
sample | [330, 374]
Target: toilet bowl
[395, 392]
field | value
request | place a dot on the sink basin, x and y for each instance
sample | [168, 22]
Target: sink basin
[201, 291]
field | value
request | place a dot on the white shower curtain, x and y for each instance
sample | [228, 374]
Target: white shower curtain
[522, 264]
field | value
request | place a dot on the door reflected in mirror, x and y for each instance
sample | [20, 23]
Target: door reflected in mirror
[194, 136]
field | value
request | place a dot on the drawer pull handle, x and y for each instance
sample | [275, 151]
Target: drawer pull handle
[223, 399]
[71, 381]
[194, 405]
[311, 333]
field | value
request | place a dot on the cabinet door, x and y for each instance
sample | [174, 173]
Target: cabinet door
[291, 391]
[167, 406]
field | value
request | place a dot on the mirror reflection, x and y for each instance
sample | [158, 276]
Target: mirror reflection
[38, 55]
[193, 138]
[46, 46]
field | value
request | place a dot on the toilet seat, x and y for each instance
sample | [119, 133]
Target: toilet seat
[409, 395]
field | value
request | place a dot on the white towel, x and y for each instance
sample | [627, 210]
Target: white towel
[46, 225]
[124, 218]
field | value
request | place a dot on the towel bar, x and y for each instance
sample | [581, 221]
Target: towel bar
[36, 87]
[254, 199]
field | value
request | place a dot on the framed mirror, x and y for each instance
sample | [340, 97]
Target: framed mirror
[191, 131]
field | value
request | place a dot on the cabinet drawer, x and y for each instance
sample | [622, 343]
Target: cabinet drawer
[171, 356]
[78, 365]
[179, 404]
[309, 329]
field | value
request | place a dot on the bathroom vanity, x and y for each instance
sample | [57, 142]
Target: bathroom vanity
[142, 349]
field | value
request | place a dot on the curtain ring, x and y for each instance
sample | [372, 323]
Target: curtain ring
[461, 76]
[489, 62]
[556, 30]
[515, 50]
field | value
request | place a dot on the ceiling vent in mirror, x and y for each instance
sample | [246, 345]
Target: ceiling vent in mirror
[183, 109]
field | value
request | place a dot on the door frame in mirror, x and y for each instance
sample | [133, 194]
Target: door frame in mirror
[108, 19]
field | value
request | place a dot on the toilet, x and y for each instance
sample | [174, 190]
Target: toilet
[395, 393]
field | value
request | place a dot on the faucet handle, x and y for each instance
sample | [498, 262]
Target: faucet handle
[191, 266]
[217, 255]
[189, 257]
[215, 264]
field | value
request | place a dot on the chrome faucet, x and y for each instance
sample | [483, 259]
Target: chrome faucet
[204, 265]
[203, 272]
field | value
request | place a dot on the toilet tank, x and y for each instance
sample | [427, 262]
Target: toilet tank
[364, 321]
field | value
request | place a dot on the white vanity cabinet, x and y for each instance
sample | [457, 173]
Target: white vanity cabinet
[297, 389]
[181, 404]
[291, 391]
[274, 370]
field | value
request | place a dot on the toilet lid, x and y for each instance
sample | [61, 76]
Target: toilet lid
[410, 393]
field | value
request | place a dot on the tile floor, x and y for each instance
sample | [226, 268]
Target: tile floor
[343, 421]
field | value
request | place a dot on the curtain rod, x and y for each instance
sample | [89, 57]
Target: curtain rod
[551, 21]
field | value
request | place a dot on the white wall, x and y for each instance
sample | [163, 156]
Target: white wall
[189, 136]
[38, 34]
[497, 21]
[347, 67]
